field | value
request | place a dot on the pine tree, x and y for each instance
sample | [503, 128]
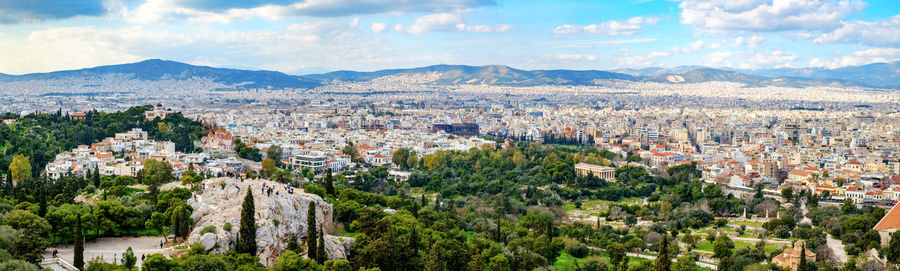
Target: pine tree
[311, 234]
[321, 255]
[329, 182]
[79, 245]
[246, 242]
[662, 258]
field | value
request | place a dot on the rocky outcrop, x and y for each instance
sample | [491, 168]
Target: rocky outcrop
[278, 217]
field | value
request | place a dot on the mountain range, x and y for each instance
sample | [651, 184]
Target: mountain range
[877, 75]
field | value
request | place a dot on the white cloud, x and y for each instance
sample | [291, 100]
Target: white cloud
[728, 16]
[168, 11]
[484, 28]
[77, 47]
[322, 44]
[776, 59]
[748, 60]
[862, 57]
[880, 33]
[691, 48]
[379, 27]
[755, 41]
[447, 22]
[627, 60]
[435, 22]
[354, 22]
[576, 57]
[610, 28]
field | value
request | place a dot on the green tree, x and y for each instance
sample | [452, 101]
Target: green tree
[156, 222]
[399, 157]
[350, 150]
[22, 220]
[154, 174]
[96, 177]
[158, 262]
[128, 258]
[78, 262]
[311, 234]
[29, 246]
[685, 263]
[803, 265]
[329, 182]
[190, 177]
[722, 246]
[20, 168]
[268, 167]
[787, 194]
[181, 220]
[321, 255]
[436, 259]
[290, 261]
[662, 258]
[892, 251]
[246, 242]
[274, 152]
[412, 160]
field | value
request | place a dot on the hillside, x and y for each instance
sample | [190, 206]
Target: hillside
[878, 75]
[156, 69]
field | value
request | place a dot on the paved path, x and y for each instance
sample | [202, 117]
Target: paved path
[840, 255]
[804, 220]
[112, 248]
[755, 240]
[652, 257]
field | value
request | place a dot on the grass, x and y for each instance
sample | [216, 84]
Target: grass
[129, 191]
[566, 261]
[347, 233]
[748, 223]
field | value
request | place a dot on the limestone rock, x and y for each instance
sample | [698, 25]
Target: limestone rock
[337, 247]
[278, 216]
[208, 240]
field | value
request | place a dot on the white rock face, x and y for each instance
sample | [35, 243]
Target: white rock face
[208, 240]
[277, 217]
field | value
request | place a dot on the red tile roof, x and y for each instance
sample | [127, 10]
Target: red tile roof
[891, 220]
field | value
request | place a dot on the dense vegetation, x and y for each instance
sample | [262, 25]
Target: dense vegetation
[41, 136]
[482, 209]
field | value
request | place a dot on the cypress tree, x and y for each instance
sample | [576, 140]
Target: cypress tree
[96, 177]
[802, 265]
[329, 183]
[79, 245]
[246, 242]
[662, 258]
[311, 234]
[321, 256]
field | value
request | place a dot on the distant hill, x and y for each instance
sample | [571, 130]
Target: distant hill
[492, 74]
[878, 75]
[884, 75]
[156, 69]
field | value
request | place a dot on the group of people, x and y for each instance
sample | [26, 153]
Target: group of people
[269, 189]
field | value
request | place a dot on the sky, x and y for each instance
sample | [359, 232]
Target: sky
[313, 36]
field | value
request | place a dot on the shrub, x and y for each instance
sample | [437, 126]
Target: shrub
[579, 250]
[227, 227]
[208, 229]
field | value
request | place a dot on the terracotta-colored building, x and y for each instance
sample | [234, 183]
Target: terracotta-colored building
[888, 225]
[790, 258]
